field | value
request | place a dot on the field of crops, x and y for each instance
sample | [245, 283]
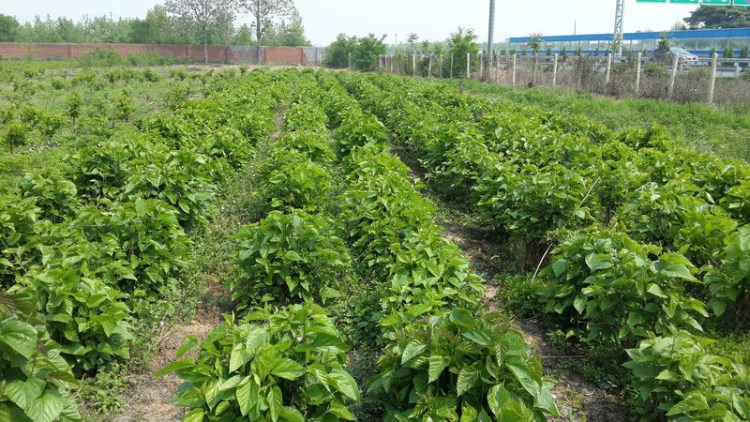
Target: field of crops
[134, 199]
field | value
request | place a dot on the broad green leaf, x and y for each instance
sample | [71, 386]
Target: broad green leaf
[344, 383]
[46, 408]
[247, 394]
[19, 336]
[195, 415]
[467, 379]
[176, 366]
[437, 365]
[597, 262]
[292, 415]
[412, 350]
[275, 403]
[24, 393]
[462, 318]
[288, 369]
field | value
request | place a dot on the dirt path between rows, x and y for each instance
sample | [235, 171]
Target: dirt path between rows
[577, 398]
[150, 398]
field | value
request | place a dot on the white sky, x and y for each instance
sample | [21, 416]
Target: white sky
[430, 19]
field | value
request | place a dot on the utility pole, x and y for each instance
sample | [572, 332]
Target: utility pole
[490, 39]
[619, 14]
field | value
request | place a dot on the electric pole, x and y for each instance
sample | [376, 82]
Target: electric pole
[490, 39]
[619, 14]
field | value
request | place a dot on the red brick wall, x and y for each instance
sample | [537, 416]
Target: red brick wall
[284, 55]
[216, 53]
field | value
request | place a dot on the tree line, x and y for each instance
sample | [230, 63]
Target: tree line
[210, 22]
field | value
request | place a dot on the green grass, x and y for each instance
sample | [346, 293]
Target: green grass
[722, 130]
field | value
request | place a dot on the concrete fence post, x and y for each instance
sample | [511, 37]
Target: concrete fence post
[675, 65]
[638, 75]
[712, 86]
[513, 78]
[414, 65]
[481, 66]
[468, 65]
[429, 67]
[554, 71]
[609, 68]
[451, 72]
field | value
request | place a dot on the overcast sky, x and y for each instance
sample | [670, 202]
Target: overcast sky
[430, 19]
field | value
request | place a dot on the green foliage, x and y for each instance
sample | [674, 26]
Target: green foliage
[663, 44]
[289, 258]
[37, 381]
[623, 290]
[677, 376]
[56, 198]
[16, 135]
[299, 184]
[73, 104]
[729, 284]
[528, 201]
[460, 363]
[124, 106]
[86, 316]
[460, 44]
[284, 366]
[536, 43]
[710, 17]
[367, 52]
[18, 236]
[338, 53]
[357, 132]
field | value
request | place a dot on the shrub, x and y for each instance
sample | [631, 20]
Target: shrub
[284, 366]
[16, 135]
[623, 290]
[37, 382]
[289, 258]
[440, 367]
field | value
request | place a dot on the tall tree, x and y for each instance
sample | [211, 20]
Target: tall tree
[8, 28]
[204, 13]
[265, 12]
[287, 33]
[460, 44]
[719, 17]
[156, 28]
[337, 54]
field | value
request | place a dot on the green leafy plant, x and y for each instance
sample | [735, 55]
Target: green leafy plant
[287, 258]
[623, 290]
[74, 104]
[460, 366]
[16, 135]
[286, 366]
[37, 381]
[677, 376]
[729, 284]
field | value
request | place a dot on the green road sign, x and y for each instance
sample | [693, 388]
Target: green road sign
[685, 1]
[741, 2]
[717, 2]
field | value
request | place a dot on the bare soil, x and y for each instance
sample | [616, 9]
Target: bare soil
[152, 398]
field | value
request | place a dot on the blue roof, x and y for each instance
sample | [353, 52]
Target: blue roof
[641, 36]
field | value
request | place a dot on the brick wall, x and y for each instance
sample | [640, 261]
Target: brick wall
[216, 53]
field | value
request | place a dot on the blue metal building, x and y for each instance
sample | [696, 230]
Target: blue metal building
[699, 42]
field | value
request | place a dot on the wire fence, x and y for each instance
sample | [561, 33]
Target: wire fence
[713, 80]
